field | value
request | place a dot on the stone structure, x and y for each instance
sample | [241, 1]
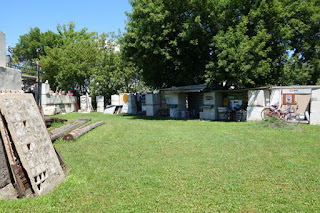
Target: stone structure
[54, 103]
[10, 79]
[4, 167]
[2, 49]
[315, 107]
[100, 103]
[129, 103]
[85, 104]
[152, 104]
[258, 99]
[31, 142]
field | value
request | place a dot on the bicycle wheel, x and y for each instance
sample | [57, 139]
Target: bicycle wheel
[291, 119]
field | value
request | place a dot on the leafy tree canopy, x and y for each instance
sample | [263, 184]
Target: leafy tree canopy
[239, 42]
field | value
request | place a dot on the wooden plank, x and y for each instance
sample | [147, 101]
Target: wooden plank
[16, 170]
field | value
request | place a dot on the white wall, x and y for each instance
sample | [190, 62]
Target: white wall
[59, 102]
[178, 99]
[216, 100]
[258, 99]
[315, 107]
[10, 79]
[152, 104]
[2, 49]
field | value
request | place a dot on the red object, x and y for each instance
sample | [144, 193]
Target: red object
[288, 99]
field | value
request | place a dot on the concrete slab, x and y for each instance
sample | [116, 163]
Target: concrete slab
[315, 107]
[8, 192]
[49, 110]
[109, 110]
[152, 99]
[315, 95]
[10, 79]
[2, 49]
[32, 142]
[256, 98]
[115, 100]
[4, 167]
[152, 109]
[254, 113]
[315, 118]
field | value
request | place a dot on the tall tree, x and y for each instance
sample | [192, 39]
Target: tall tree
[26, 49]
[70, 65]
[167, 41]
[113, 73]
[239, 42]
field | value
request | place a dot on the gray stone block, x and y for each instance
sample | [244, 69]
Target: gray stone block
[29, 132]
[10, 79]
[2, 49]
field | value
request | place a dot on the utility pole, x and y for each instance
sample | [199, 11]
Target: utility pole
[38, 79]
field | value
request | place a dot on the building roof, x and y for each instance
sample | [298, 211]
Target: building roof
[186, 89]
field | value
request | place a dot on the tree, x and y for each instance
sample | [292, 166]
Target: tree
[167, 41]
[70, 65]
[113, 73]
[241, 43]
[26, 49]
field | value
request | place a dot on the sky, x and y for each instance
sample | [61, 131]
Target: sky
[18, 16]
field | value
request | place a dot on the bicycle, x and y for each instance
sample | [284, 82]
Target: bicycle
[289, 117]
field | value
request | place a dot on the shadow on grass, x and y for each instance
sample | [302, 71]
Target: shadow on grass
[162, 118]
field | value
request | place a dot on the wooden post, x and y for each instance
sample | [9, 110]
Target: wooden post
[80, 131]
[59, 132]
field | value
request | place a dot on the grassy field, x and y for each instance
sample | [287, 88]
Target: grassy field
[138, 164]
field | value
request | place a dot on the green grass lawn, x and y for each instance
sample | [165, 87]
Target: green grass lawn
[138, 164]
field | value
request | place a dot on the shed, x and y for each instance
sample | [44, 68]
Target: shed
[302, 99]
[203, 102]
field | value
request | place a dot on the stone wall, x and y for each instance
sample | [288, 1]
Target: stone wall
[56, 103]
[32, 142]
[2, 49]
[4, 169]
[10, 79]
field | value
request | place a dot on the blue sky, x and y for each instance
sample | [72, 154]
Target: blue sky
[18, 16]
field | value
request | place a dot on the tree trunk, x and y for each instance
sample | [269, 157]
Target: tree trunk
[80, 131]
[59, 132]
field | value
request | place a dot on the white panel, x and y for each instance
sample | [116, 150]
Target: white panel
[315, 96]
[45, 88]
[296, 91]
[254, 113]
[152, 99]
[2, 49]
[275, 97]
[109, 110]
[256, 98]
[115, 100]
[315, 118]
[152, 109]
[315, 106]
[209, 98]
